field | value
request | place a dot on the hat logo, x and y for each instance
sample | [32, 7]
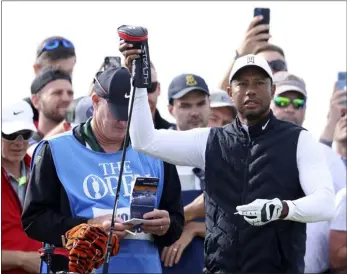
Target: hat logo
[190, 80]
[250, 59]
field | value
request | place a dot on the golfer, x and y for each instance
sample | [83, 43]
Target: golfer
[265, 178]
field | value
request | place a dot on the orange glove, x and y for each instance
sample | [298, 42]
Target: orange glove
[87, 246]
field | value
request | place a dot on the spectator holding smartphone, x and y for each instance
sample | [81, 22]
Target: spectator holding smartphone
[337, 109]
[256, 42]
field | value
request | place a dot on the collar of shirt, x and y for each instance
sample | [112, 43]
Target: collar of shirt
[19, 185]
[84, 133]
[23, 175]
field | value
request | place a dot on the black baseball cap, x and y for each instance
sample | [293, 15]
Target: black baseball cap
[184, 83]
[46, 76]
[114, 86]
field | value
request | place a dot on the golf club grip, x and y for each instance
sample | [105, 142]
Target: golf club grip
[141, 68]
[132, 34]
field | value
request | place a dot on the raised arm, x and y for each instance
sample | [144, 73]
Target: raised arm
[176, 147]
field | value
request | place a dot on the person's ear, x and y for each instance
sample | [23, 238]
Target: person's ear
[66, 126]
[95, 98]
[35, 100]
[229, 91]
[171, 110]
[273, 90]
[36, 68]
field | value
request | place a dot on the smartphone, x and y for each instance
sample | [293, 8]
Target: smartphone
[112, 61]
[341, 84]
[341, 81]
[265, 12]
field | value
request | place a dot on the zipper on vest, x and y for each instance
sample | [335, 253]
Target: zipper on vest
[245, 177]
[243, 197]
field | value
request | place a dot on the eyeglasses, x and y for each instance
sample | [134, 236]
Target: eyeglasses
[26, 134]
[284, 102]
[153, 88]
[278, 65]
[54, 44]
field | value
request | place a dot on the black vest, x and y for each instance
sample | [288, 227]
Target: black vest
[240, 168]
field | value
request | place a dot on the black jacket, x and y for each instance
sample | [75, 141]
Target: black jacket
[160, 122]
[240, 168]
[47, 214]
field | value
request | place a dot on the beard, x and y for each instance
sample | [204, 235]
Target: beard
[255, 114]
[52, 114]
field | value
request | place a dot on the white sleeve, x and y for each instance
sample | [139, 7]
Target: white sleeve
[339, 222]
[175, 147]
[316, 182]
[336, 166]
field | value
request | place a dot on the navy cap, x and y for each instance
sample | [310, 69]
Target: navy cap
[185, 83]
[114, 86]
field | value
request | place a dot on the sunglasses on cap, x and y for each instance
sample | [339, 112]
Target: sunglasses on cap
[26, 134]
[54, 44]
[278, 65]
[153, 88]
[284, 102]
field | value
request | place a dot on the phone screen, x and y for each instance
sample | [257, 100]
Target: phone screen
[265, 12]
[342, 81]
[143, 197]
[111, 61]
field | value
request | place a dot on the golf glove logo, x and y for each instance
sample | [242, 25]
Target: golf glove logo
[261, 211]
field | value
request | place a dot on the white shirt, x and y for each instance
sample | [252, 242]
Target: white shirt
[317, 242]
[189, 181]
[336, 166]
[188, 148]
[339, 221]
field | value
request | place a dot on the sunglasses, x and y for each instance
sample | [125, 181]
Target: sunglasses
[284, 102]
[26, 134]
[278, 65]
[153, 88]
[54, 44]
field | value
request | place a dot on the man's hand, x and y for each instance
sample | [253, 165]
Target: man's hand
[336, 110]
[337, 107]
[172, 254]
[261, 211]
[129, 53]
[30, 262]
[119, 227]
[254, 39]
[100, 220]
[341, 129]
[159, 224]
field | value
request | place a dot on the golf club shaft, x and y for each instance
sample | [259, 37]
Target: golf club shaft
[114, 212]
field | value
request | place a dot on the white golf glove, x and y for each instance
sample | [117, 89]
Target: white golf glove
[261, 211]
